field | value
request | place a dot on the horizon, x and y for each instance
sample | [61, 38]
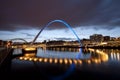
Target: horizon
[64, 35]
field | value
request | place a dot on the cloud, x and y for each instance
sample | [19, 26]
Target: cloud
[27, 14]
[64, 38]
[5, 33]
[27, 34]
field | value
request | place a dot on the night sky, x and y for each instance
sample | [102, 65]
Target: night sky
[25, 18]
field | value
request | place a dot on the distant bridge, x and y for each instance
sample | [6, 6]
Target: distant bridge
[18, 39]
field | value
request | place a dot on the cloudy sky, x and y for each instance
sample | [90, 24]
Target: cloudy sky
[25, 18]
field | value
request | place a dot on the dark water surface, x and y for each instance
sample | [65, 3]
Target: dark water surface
[66, 64]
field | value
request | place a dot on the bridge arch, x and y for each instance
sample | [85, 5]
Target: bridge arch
[18, 39]
[60, 21]
[71, 68]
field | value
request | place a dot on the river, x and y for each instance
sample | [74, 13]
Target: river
[61, 64]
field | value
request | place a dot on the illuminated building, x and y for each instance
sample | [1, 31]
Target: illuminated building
[96, 38]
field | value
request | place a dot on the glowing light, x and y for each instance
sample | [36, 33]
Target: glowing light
[70, 61]
[89, 62]
[21, 58]
[35, 59]
[66, 61]
[79, 61]
[103, 56]
[104, 43]
[40, 59]
[112, 56]
[55, 60]
[91, 49]
[25, 58]
[50, 60]
[30, 59]
[29, 49]
[99, 60]
[118, 56]
[75, 61]
[45, 59]
[96, 61]
[61, 61]
[29, 54]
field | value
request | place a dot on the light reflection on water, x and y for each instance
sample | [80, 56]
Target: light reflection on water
[113, 54]
[94, 60]
[88, 56]
[61, 54]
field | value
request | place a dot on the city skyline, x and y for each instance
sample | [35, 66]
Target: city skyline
[29, 35]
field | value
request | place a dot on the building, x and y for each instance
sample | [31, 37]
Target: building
[113, 39]
[96, 38]
[106, 38]
[85, 42]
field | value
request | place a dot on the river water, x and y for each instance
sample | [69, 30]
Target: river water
[71, 63]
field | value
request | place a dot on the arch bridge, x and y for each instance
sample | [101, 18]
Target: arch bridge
[44, 45]
[18, 39]
[60, 21]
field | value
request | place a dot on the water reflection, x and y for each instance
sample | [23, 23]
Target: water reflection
[114, 54]
[90, 56]
[46, 62]
[98, 55]
[69, 49]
